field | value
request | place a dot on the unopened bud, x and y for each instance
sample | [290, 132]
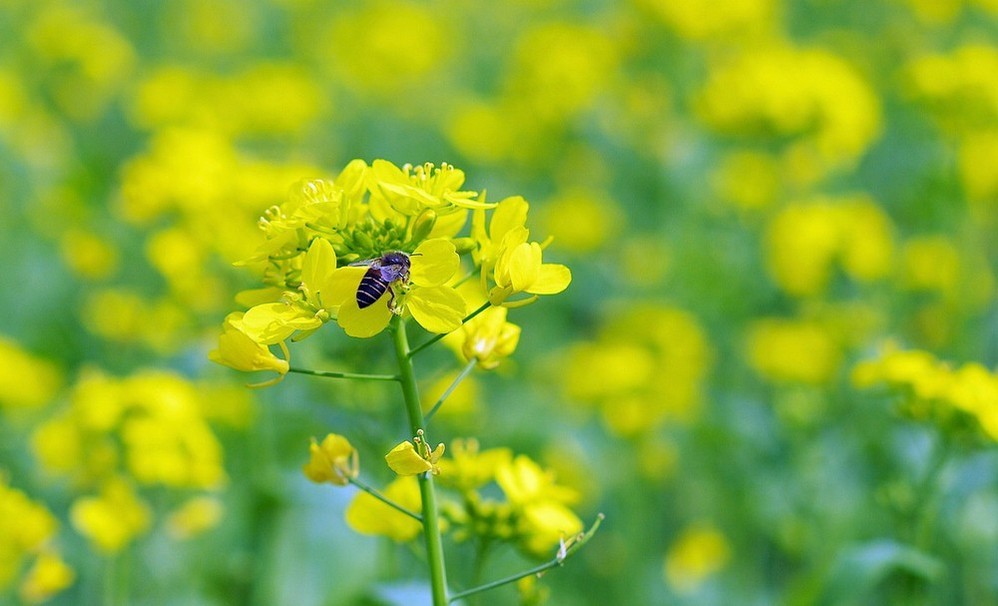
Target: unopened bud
[422, 225]
[464, 245]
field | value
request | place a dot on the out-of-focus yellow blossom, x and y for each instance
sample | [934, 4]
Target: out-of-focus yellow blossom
[960, 88]
[807, 94]
[704, 19]
[407, 459]
[123, 316]
[645, 367]
[386, 48]
[532, 593]
[335, 461]
[540, 505]
[468, 467]
[582, 220]
[48, 576]
[793, 351]
[148, 425]
[930, 263]
[194, 517]
[113, 519]
[697, 554]
[210, 27]
[748, 180]
[263, 99]
[976, 153]
[88, 255]
[462, 403]
[368, 515]
[579, 62]
[88, 60]
[804, 240]
[937, 390]
[26, 528]
[487, 338]
[26, 381]
[238, 350]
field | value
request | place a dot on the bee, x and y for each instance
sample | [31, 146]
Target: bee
[390, 268]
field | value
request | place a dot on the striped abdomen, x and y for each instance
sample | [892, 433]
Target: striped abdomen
[372, 286]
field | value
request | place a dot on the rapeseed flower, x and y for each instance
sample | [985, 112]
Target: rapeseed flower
[335, 461]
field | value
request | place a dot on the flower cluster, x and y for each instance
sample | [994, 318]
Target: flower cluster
[117, 435]
[27, 530]
[380, 241]
[935, 390]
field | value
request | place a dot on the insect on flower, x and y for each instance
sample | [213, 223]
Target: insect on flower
[390, 268]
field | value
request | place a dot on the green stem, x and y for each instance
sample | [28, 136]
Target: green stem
[558, 560]
[464, 373]
[431, 525]
[344, 375]
[377, 495]
[436, 338]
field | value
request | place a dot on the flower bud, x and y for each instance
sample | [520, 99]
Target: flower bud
[423, 224]
[464, 245]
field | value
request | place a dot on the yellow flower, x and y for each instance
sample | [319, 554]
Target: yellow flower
[510, 213]
[335, 461]
[48, 576]
[698, 553]
[112, 520]
[368, 515]
[543, 517]
[410, 190]
[406, 460]
[519, 268]
[487, 338]
[238, 350]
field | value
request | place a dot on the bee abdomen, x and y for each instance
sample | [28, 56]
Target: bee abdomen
[371, 288]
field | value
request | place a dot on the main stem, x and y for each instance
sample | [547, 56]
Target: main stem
[431, 527]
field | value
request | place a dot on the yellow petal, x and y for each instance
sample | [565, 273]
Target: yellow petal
[434, 262]
[405, 461]
[437, 309]
[274, 322]
[317, 269]
[551, 279]
[511, 212]
[363, 323]
[524, 266]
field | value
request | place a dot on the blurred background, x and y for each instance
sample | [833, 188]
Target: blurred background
[773, 371]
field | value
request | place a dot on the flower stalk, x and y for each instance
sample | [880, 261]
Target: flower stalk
[431, 525]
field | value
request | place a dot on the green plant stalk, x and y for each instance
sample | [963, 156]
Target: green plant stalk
[431, 526]
[460, 377]
[357, 376]
[433, 340]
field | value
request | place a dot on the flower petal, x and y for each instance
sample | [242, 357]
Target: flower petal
[405, 461]
[437, 308]
[524, 266]
[551, 279]
[511, 212]
[434, 262]
[363, 323]
[317, 269]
